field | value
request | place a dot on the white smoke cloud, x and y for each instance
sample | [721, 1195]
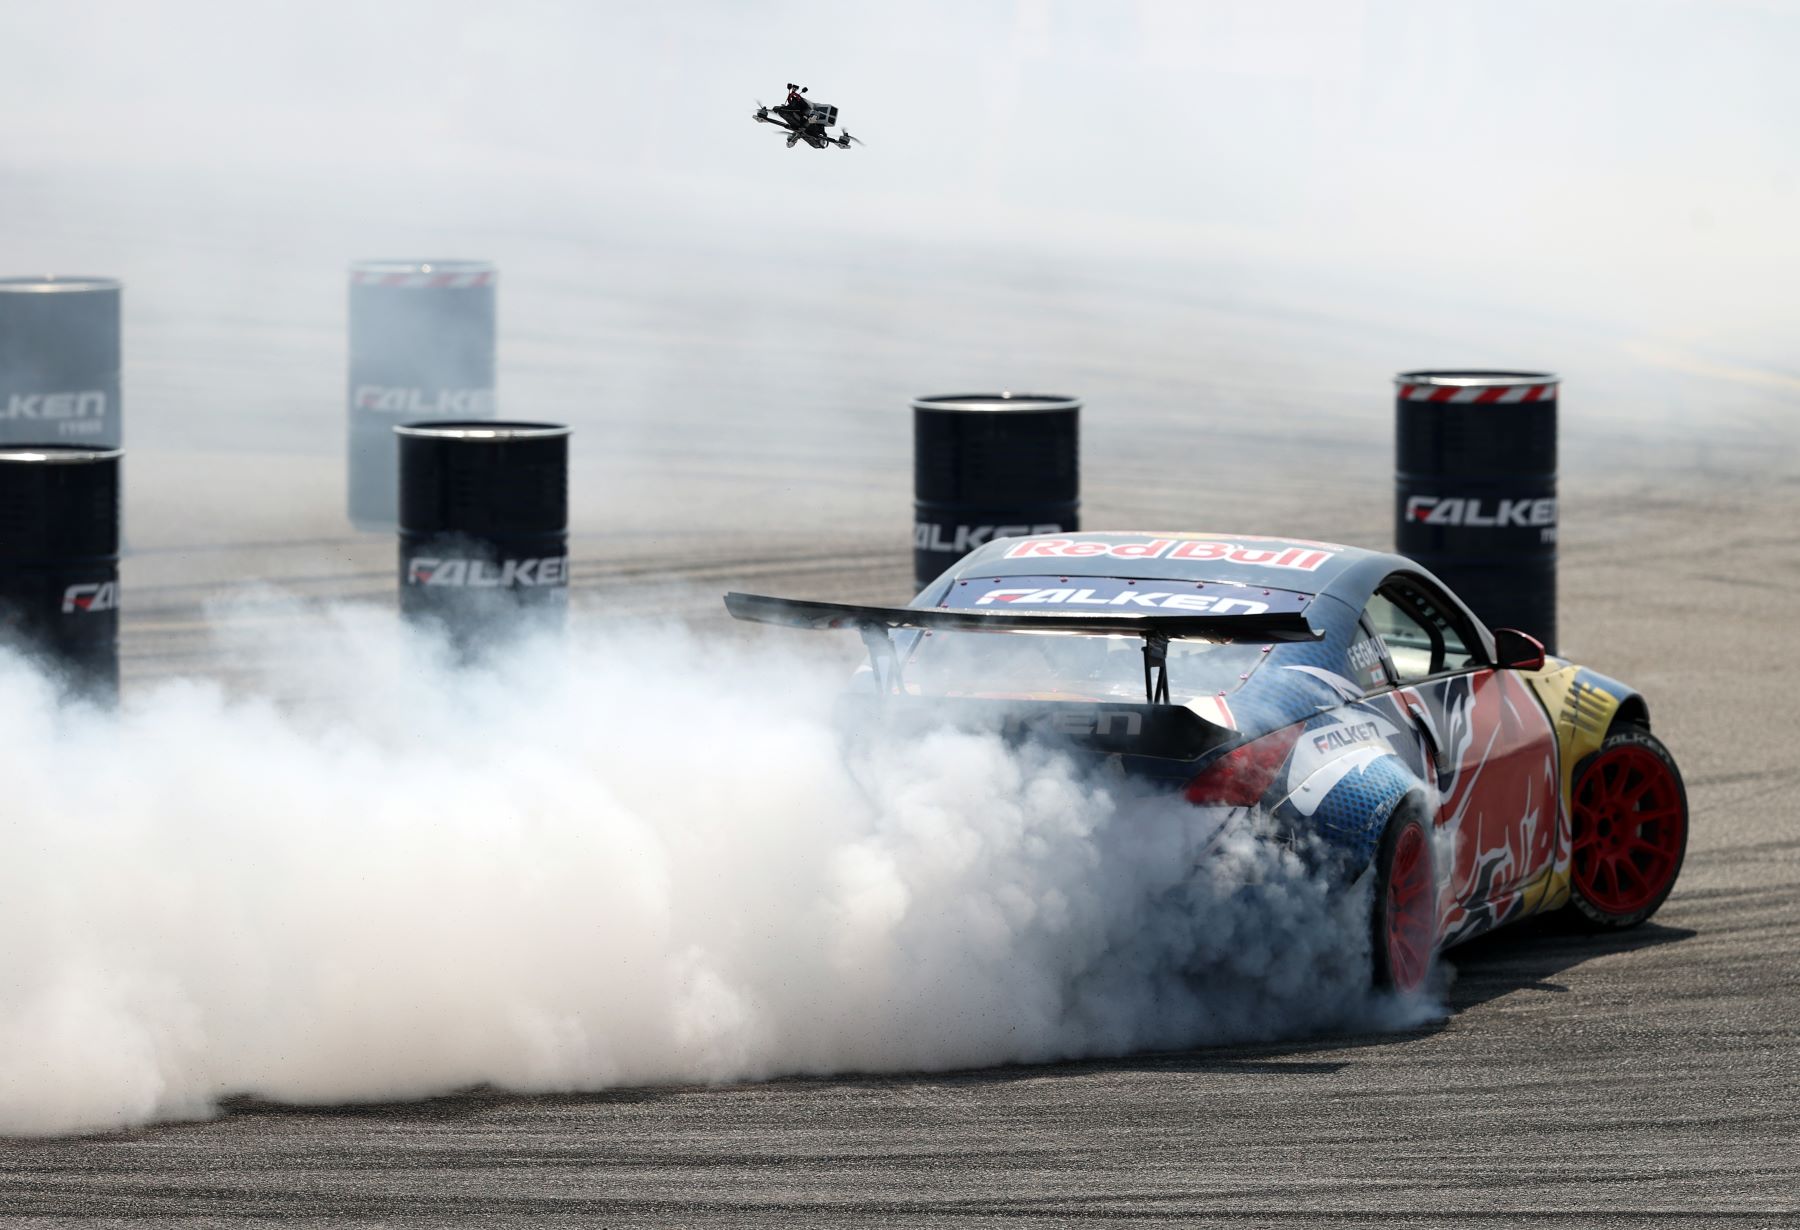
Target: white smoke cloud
[635, 858]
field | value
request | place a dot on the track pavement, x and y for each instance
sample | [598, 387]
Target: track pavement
[1643, 1079]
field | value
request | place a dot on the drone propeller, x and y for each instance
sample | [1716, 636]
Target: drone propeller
[848, 139]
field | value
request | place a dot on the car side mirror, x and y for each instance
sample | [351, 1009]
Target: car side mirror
[1516, 650]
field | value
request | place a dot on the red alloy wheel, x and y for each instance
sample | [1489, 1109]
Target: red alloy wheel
[1630, 830]
[1410, 923]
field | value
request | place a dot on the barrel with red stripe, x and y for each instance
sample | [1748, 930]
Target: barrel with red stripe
[421, 347]
[1475, 489]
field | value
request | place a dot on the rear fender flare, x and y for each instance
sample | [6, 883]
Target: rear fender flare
[1348, 800]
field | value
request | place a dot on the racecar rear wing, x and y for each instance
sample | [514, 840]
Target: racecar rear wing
[875, 622]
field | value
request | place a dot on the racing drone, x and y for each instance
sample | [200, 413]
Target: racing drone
[804, 120]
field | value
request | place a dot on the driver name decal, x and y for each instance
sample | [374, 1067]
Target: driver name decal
[1304, 559]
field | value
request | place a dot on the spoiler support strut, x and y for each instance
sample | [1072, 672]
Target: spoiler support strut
[1156, 668]
[884, 660]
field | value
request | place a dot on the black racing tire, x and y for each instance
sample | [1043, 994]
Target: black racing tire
[1403, 917]
[1628, 821]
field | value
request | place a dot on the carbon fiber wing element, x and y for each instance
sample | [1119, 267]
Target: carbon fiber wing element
[797, 613]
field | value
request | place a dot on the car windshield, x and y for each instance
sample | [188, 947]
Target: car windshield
[1060, 665]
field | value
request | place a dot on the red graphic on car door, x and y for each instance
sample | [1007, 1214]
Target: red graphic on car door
[1499, 807]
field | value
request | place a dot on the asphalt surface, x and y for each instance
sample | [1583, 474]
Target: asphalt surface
[1639, 1079]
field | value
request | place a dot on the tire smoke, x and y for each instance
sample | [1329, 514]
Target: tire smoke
[628, 857]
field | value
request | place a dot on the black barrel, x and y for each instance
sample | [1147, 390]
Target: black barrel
[991, 465]
[421, 347]
[484, 524]
[59, 361]
[1475, 490]
[59, 561]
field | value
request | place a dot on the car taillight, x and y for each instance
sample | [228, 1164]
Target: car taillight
[1243, 775]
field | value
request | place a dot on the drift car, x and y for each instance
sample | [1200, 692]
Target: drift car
[1346, 693]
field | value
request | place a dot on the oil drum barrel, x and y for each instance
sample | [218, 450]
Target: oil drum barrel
[59, 561]
[59, 361]
[1475, 490]
[484, 524]
[991, 465]
[421, 347]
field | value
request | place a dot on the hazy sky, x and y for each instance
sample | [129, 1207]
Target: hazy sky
[1634, 159]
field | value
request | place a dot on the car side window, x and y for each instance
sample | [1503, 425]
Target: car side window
[1365, 660]
[1421, 636]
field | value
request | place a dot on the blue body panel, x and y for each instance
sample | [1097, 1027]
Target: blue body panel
[1304, 682]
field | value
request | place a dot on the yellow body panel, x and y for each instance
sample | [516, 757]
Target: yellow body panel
[1582, 711]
